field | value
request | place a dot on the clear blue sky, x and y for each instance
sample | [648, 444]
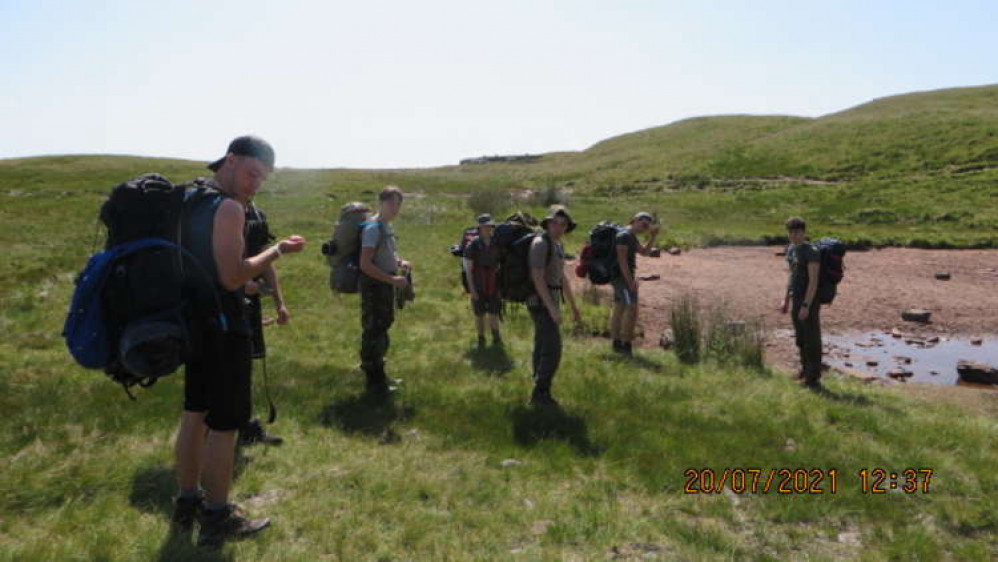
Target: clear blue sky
[368, 83]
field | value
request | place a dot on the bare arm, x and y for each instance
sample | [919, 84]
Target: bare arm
[471, 280]
[228, 246]
[566, 288]
[624, 267]
[270, 277]
[813, 271]
[541, 286]
[645, 249]
[368, 268]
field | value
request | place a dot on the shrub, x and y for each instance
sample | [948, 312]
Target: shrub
[492, 201]
[550, 195]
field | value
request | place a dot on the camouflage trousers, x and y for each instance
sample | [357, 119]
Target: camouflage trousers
[377, 314]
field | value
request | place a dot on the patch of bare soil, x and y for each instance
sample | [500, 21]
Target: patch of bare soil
[879, 285]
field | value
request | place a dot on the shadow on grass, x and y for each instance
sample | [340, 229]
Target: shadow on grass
[637, 360]
[845, 397]
[153, 489]
[179, 546]
[531, 425]
[367, 414]
[492, 360]
[854, 399]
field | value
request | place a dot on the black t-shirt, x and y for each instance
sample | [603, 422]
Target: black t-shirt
[627, 238]
[798, 257]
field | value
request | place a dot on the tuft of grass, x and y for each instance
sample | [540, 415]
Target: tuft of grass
[687, 329]
[732, 341]
[712, 333]
[493, 201]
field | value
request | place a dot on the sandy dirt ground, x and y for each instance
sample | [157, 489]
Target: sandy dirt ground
[879, 285]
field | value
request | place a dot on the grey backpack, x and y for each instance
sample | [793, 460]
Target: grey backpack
[342, 251]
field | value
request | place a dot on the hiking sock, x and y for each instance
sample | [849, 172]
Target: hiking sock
[481, 341]
[496, 337]
[616, 345]
[189, 494]
[215, 507]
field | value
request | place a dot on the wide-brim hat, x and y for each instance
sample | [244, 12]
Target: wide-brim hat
[559, 211]
[485, 220]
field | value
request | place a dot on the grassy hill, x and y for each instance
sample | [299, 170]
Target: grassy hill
[85, 473]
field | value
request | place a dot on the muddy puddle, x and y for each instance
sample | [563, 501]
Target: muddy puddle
[907, 358]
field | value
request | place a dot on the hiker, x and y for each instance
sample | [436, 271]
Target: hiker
[625, 285]
[481, 263]
[217, 380]
[257, 237]
[379, 282]
[804, 261]
[547, 270]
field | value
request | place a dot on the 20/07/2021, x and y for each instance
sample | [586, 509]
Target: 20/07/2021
[802, 481]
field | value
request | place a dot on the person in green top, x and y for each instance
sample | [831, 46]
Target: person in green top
[804, 261]
[625, 286]
[547, 271]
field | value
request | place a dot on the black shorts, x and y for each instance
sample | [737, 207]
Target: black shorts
[219, 381]
[487, 305]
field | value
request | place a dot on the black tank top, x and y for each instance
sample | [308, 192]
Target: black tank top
[201, 204]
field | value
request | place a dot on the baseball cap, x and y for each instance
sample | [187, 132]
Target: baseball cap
[247, 145]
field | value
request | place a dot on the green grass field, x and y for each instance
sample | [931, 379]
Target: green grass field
[86, 474]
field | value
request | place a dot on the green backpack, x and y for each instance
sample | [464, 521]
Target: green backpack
[342, 251]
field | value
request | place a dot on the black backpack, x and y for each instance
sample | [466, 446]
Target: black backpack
[602, 259]
[514, 241]
[832, 271]
[130, 313]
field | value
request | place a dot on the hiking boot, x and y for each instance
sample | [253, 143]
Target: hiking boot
[382, 386]
[496, 338]
[625, 349]
[253, 432]
[616, 346]
[542, 398]
[481, 342]
[220, 525]
[186, 511]
[812, 384]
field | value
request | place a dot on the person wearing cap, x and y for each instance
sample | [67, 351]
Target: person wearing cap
[217, 380]
[625, 286]
[481, 265]
[547, 269]
[380, 266]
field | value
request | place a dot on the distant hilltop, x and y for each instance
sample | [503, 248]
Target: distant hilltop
[508, 158]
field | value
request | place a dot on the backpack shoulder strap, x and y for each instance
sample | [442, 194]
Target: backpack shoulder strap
[550, 244]
[382, 231]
